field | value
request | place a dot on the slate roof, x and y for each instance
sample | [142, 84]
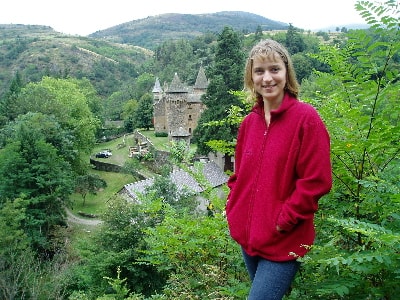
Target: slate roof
[201, 80]
[194, 98]
[157, 86]
[180, 132]
[177, 86]
[183, 180]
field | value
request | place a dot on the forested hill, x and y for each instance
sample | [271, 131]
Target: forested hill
[35, 51]
[110, 57]
[152, 31]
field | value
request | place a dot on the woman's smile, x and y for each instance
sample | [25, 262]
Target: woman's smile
[269, 78]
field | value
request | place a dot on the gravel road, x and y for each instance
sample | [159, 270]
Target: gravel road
[77, 220]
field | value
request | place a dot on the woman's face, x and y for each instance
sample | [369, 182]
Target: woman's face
[269, 78]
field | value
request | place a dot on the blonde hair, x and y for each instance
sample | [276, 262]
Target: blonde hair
[270, 49]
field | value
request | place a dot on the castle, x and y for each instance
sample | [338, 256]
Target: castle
[178, 108]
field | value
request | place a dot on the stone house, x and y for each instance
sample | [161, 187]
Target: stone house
[177, 107]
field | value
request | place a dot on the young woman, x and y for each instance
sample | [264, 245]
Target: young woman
[282, 169]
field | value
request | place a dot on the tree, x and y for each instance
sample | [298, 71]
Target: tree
[323, 34]
[143, 116]
[197, 253]
[119, 244]
[114, 103]
[89, 183]
[143, 84]
[226, 75]
[128, 114]
[92, 98]
[8, 102]
[294, 40]
[15, 252]
[34, 169]
[303, 65]
[258, 35]
[67, 102]
[31, 169]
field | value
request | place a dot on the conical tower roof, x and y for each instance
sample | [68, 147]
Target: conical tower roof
[201, 80]
[177, 86]
[157, 87]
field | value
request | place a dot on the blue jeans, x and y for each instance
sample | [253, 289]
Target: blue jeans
[270, 279]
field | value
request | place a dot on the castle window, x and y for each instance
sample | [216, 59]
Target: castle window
[190, 117]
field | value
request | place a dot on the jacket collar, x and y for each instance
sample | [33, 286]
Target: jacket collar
[287, 102]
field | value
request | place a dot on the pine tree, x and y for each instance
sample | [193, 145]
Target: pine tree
[8, 103]
[258, 35]
[226, 75]
[294, 40]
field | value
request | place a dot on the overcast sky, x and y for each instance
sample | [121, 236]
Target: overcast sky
[83, 17]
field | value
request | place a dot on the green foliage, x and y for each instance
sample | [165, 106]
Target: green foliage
[22, 275]
[129, 109]
[323, 34]
[143, 116]
[50, 128]
[31, 168]
[165, 250]
[294, 40]
[233, 119]
[161, 134]
[117, 244]
[195, 250]
[92, 98]
[356, 254]
[66, 102]
[36, 51]
[7, 104]
[180, 153]
[198, 254]
[164, 193]
[118, 285]
[174, 53]
[12, 214]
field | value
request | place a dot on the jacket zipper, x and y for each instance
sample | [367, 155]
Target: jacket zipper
[249, 217]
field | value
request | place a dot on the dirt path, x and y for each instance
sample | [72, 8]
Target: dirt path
[77, 220]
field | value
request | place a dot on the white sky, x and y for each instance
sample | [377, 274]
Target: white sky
[83, 17]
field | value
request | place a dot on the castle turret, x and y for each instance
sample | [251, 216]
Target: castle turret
[157, 90]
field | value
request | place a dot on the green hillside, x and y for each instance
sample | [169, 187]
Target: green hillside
[35, 51]
[151, 32]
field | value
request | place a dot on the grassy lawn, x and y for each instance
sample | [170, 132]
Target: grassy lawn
[119, 154]
[97, 204]
[160, 143]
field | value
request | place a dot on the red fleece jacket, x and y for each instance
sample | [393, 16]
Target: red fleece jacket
[281, 171]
